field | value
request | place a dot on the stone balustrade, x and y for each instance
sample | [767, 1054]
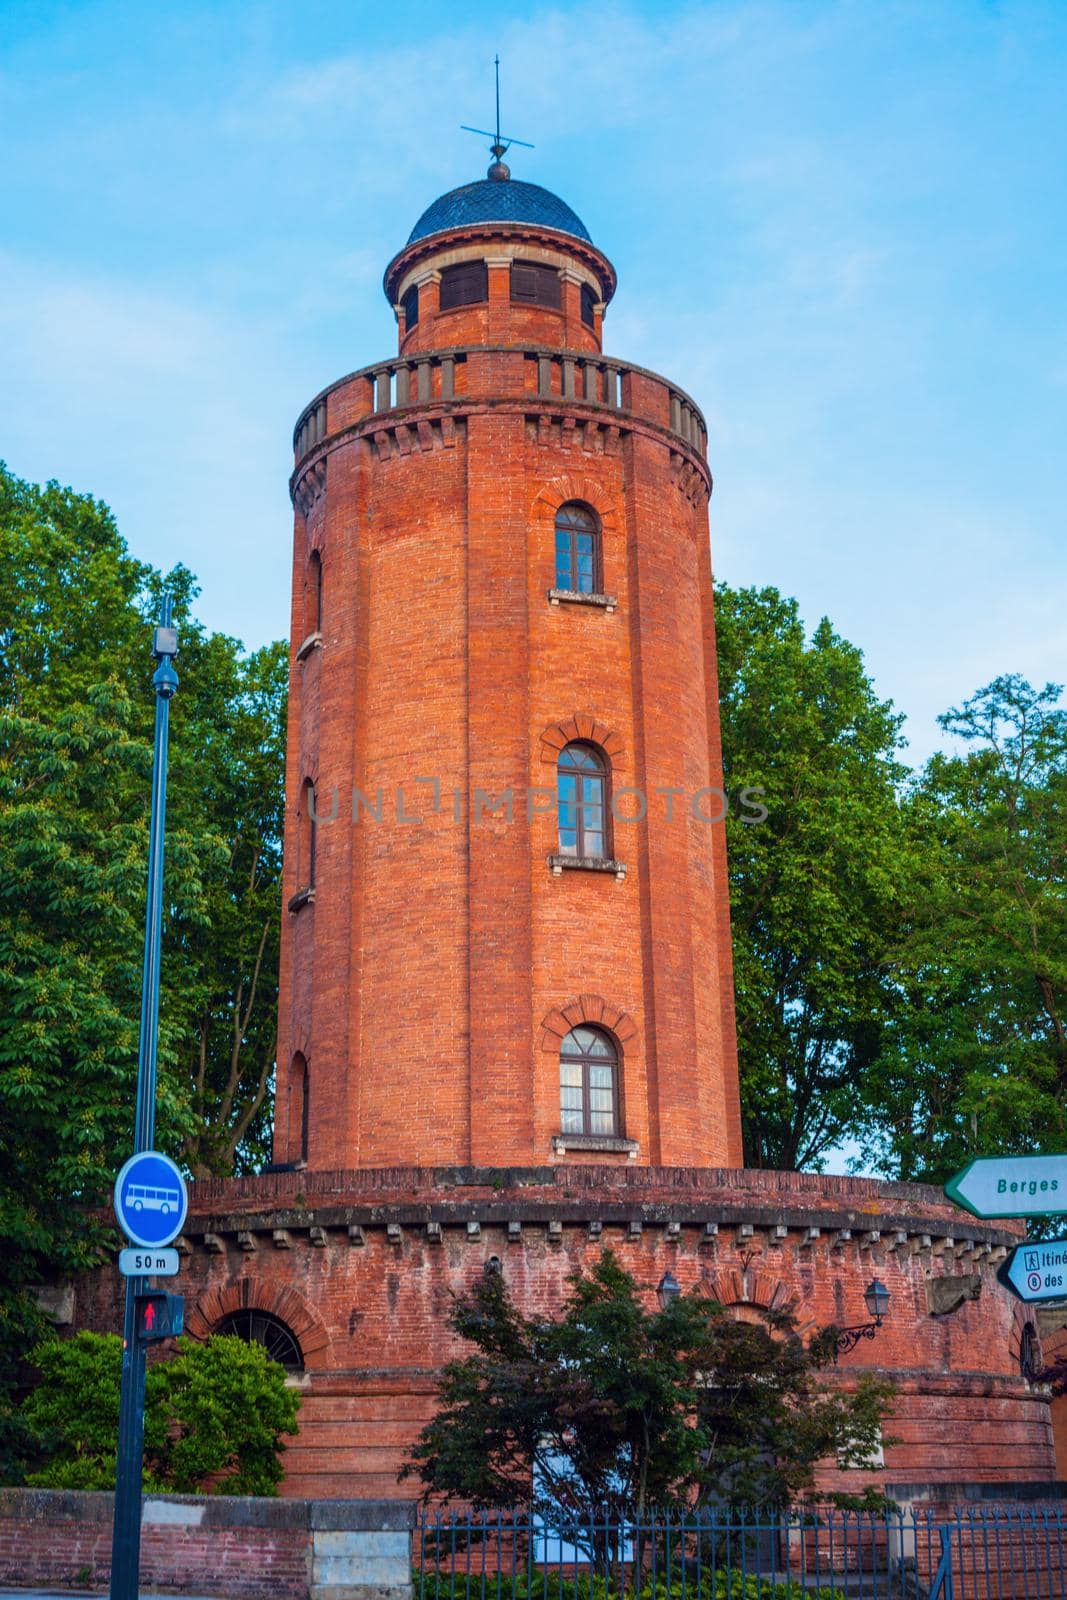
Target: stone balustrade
[454, 378]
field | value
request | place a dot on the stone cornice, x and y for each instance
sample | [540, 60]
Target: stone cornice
[566, 243]
[712, 1208]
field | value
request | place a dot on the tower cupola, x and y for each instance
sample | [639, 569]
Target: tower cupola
[502, 262]
[499, 198]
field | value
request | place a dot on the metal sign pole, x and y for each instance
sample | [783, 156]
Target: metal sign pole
[126, 1537]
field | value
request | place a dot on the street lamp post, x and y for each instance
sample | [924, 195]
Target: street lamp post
[126, 1536]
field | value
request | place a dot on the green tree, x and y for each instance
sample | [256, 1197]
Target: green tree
[228, 758]
[76, 715]
[617, 1405]
[216, 1414]
[72, 1416]
[975, 1061]
[816, 888]
[221, 1412]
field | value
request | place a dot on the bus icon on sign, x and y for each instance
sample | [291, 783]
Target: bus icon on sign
[141, 1198]
[150, 1200]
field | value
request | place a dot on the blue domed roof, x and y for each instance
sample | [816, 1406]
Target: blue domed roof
[498, 200]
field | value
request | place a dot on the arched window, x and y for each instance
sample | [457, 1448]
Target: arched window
[588, 1083]
[308, 831]
[409, 305]
[1029, 1352]
[588, 306]
[577, 549]
[582, 791]
[313, 618]
[259, 1327]
[299, 1107]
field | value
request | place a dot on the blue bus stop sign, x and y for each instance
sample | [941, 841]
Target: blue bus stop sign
[150, 1199]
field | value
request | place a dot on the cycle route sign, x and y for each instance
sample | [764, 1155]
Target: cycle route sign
[151, 1201]
[1037, 1271]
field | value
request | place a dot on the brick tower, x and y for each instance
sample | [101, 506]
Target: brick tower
[506, 1031]
[507, 931]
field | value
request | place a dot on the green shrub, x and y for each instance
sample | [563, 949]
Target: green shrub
[215, 1415]
[717, 1584]
[73, 1414]
[223, 1407]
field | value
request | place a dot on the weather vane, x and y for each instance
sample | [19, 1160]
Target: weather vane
[501, 143]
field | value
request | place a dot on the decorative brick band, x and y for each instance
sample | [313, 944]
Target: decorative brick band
[576, 486]
[587, 1008]
[311, 486]
[260, 1294]
[582, 725]
[576, 424]
[736, 1287]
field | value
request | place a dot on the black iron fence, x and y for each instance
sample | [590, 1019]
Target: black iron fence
[987, 1553]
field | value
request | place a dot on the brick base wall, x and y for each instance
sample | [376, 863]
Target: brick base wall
[226, 1546]
[244, 1549]
[362, 1267]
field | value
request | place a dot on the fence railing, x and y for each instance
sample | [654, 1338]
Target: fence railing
[987, 1553]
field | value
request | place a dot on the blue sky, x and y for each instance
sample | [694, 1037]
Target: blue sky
[841, 226]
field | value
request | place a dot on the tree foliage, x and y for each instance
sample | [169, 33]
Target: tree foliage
[215, 1416]
[76, 717]
[975, 1059]
[615, 1405]
[815, 888]
[900, 938]
[229, 766]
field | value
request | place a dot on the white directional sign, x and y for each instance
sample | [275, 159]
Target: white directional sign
[1011, 1186]
[1038, 1271]
[141, 1263]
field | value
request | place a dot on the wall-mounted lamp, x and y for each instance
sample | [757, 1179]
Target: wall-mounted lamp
[876, 1299]
[668, 1289]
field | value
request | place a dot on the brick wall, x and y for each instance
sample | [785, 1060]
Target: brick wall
[418, 983]
[226, 1547]
[362, 1266]
[996, 1539]
[230, 1547]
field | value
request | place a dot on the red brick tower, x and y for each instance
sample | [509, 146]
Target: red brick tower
[507, 1038]
[503, 657]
